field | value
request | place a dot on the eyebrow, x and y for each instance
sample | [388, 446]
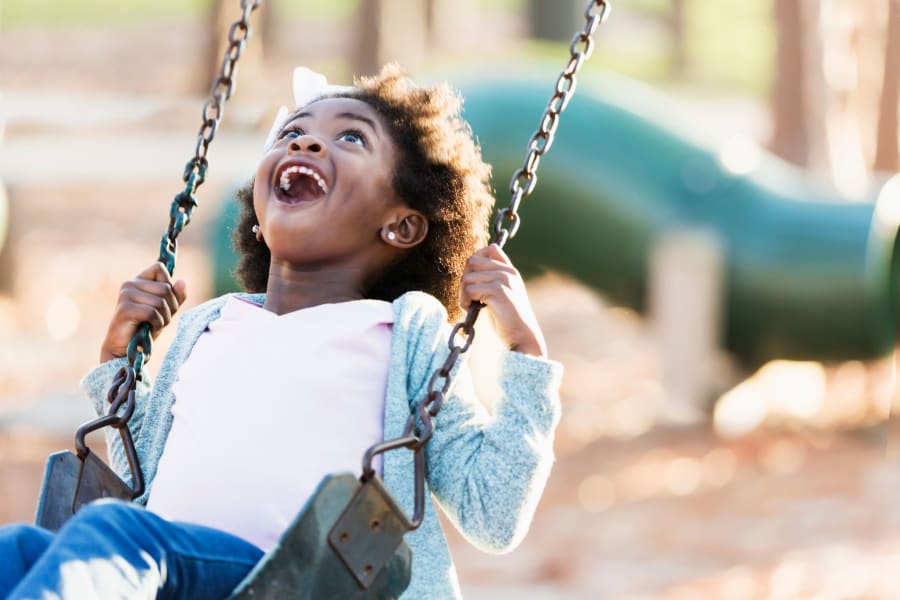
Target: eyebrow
[344, 115]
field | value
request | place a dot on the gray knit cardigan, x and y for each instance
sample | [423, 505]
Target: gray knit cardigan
[486, 471]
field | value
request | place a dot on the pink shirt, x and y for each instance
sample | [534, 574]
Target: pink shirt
[267, 405]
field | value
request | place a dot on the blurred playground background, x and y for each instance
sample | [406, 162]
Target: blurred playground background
[712, 245]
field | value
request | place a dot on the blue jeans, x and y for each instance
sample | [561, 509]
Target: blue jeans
[115, 549]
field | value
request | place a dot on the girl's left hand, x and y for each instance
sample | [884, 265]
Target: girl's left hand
[491, 279]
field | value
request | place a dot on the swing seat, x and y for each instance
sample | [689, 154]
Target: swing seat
[346, 542]
[70, 482]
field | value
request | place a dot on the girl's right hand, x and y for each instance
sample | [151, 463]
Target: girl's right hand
[150, 297]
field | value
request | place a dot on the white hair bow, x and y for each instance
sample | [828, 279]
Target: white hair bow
[308, 86]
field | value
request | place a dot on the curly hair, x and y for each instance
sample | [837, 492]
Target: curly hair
[439, 172]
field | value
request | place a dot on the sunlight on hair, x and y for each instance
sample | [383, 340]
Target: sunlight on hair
[62, 318]
[740, 155]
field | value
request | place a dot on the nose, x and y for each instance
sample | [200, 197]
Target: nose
[308, 144]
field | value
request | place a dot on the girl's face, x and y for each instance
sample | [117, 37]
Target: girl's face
[324, 190]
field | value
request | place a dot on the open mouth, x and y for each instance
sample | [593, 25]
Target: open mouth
[299, 184]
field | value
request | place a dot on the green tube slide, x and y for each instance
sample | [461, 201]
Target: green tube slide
[807, 274]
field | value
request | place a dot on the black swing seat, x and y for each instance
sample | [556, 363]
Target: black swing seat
[71, 482]
[346, 543]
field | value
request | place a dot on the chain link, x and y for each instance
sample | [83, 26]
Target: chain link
[507, 222]
[182, 207]
[121, 395]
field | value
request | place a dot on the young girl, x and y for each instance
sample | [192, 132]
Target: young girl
[361, 237]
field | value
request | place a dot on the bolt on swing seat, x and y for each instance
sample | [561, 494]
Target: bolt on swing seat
[347, 540]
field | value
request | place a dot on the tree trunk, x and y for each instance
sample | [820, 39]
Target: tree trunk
[852, 42]
[887, 152]
[554, 20]
[390, 30]
[222, 15]
[789, 94]
[677, 32]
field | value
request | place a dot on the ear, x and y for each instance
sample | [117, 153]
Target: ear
[405, 230]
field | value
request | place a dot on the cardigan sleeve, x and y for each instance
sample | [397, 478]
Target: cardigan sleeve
[96, 385]
[488, 471]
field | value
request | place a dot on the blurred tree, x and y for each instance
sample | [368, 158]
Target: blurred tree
[442, 18]
[790, 138]
[832, 69]
[852, 39]
[555, 19]
[679, 44]
[222, 14]
[887, 152]
[431, 18]
[390, 30]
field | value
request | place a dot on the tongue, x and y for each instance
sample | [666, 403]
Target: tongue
[303, 188]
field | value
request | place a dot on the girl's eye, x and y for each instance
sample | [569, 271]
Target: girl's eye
[354, 137]
[289, 134]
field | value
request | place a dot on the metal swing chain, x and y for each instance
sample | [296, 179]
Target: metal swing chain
[522, 184]
[121, 394]
[195, 170]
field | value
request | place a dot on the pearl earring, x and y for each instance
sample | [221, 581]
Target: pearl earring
[256, 230]
[391, 235]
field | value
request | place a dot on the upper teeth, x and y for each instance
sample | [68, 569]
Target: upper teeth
[286, 177]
